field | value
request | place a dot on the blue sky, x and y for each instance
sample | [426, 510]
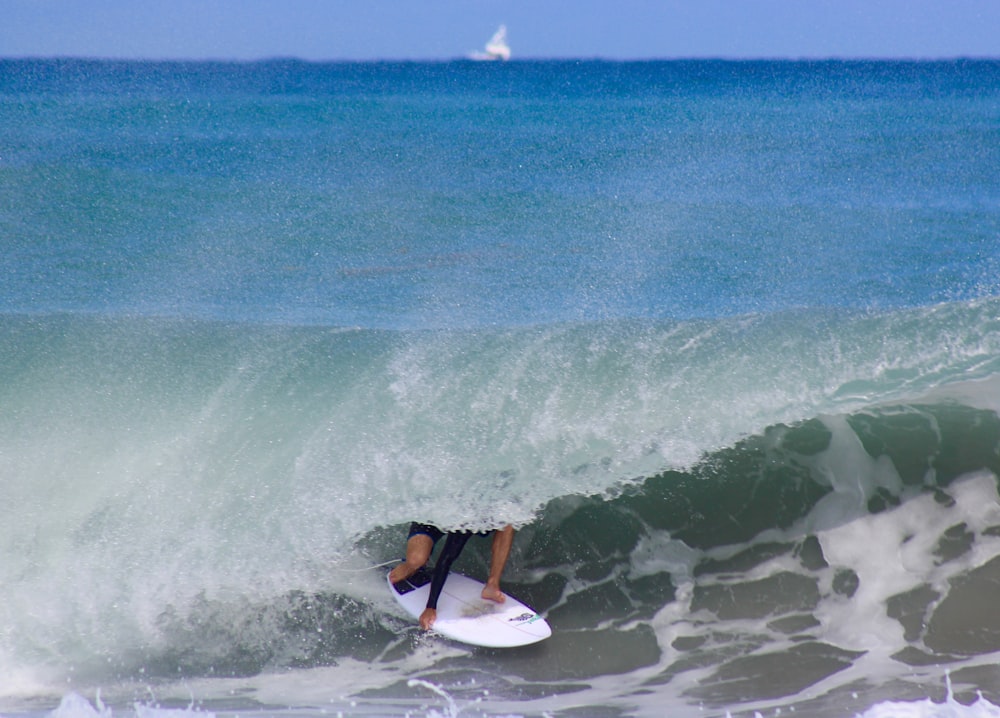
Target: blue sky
[443, 29]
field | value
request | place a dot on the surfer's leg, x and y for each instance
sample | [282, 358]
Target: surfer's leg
[418, 551]
[502, 542]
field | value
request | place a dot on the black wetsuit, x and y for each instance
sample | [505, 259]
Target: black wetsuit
[453, 546]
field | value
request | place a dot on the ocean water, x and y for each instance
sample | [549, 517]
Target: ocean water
[722, 339]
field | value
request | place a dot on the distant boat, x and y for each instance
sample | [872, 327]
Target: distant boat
[497, 47]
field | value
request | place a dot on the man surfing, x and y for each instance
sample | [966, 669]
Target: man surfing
[419, 546]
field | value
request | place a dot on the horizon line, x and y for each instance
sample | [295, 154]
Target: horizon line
[466, 59]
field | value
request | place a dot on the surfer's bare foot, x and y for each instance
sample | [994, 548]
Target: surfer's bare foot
[402, 572]
[418, 550]
[493, 593]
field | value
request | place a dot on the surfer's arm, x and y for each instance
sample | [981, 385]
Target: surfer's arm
[453, 546]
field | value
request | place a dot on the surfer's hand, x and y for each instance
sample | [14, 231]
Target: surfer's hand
[427, 618]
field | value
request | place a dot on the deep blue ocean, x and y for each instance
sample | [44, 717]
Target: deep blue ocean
[722, 339]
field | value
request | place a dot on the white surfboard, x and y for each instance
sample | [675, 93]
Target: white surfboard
[464, 615]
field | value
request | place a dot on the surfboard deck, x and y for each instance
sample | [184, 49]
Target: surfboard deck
[464, 615]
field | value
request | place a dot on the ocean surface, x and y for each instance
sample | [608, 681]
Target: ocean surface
[722, 340]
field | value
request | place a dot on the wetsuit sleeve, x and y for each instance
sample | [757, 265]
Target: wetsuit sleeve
[453, 546]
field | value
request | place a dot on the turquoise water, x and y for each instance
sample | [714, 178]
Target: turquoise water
[714, 335]
[445, 195]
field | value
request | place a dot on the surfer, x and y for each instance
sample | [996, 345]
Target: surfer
[419, 546]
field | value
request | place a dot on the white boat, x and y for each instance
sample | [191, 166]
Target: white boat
[497, 47]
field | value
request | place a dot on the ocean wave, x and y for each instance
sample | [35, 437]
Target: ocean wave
[732, 567]
[745, 565]
[191, 500]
